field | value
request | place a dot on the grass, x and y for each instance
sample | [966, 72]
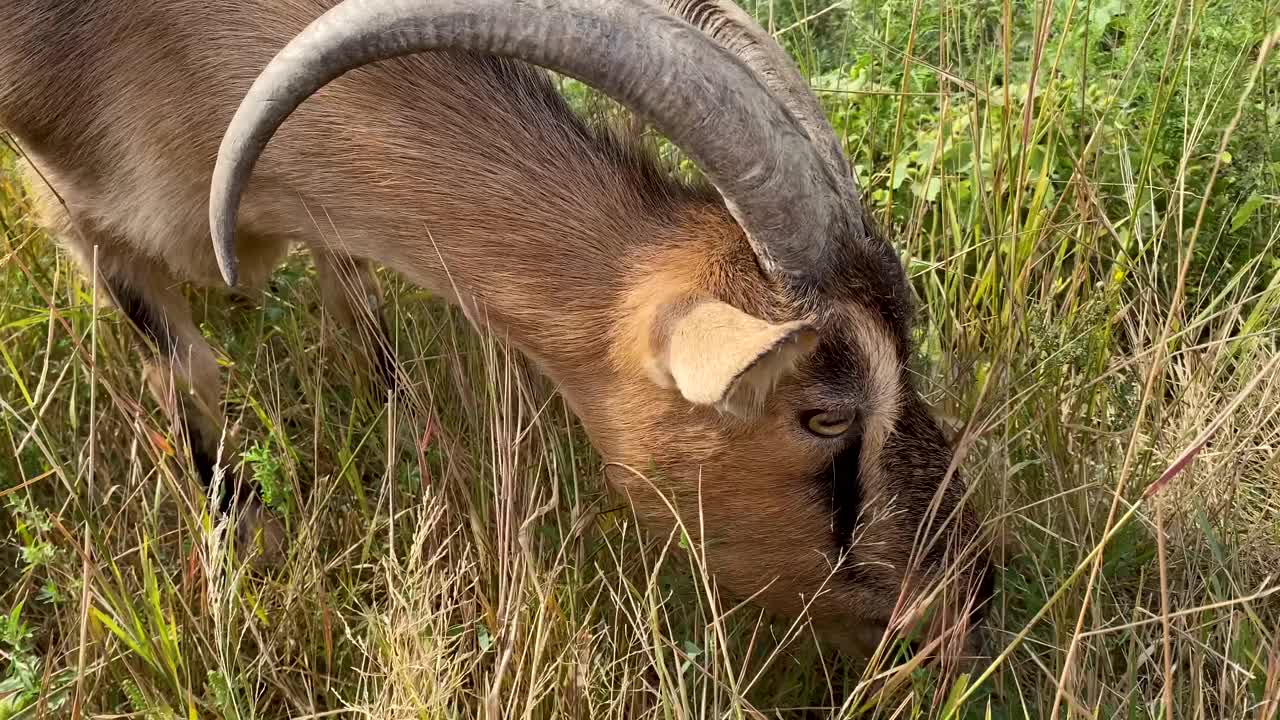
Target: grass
[1099, 268]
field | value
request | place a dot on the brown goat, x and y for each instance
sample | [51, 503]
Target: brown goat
[744, 344]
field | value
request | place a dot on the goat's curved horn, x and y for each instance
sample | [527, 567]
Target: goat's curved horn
[704, 99]
[735, 30]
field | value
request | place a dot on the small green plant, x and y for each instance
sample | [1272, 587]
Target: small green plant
[20, 685]
[32, 525]
[268, 474]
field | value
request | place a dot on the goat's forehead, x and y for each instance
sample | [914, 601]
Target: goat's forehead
[870, 290]
[863, 329]
[855, 347]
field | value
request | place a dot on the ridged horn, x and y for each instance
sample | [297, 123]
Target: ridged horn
[735, 30]
[704, 99]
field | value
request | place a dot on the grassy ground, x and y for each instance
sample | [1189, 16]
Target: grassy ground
[1099, 264]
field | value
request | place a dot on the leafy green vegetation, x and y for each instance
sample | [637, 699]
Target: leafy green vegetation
[1087, 193]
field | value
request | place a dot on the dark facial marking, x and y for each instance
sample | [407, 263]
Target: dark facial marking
[840, 487]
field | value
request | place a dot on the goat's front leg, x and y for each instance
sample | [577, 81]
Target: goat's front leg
[352, 297]
[183, 375]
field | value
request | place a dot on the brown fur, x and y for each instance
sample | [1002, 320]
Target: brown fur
[471, 177]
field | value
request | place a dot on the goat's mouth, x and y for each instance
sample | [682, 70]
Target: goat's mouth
[890, 644]
[954, 629]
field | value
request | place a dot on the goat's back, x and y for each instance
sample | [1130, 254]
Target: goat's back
[124, 103]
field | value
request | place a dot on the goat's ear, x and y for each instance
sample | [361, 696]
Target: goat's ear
[715, 354]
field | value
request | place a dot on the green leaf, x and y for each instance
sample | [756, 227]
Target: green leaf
[1103, 12]
[1246, 211]
[952, 705]
[11, 631]
[928, 191]
[900, 171]
[691, 650]
[11, 685]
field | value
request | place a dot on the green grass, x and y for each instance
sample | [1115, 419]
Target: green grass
[1099, 269]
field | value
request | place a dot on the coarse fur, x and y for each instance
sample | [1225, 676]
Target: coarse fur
[472, 177]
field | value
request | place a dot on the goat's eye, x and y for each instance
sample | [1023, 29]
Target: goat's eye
[827, 424]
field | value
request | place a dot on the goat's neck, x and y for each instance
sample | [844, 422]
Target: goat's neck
[543, 271]
[529, 219]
